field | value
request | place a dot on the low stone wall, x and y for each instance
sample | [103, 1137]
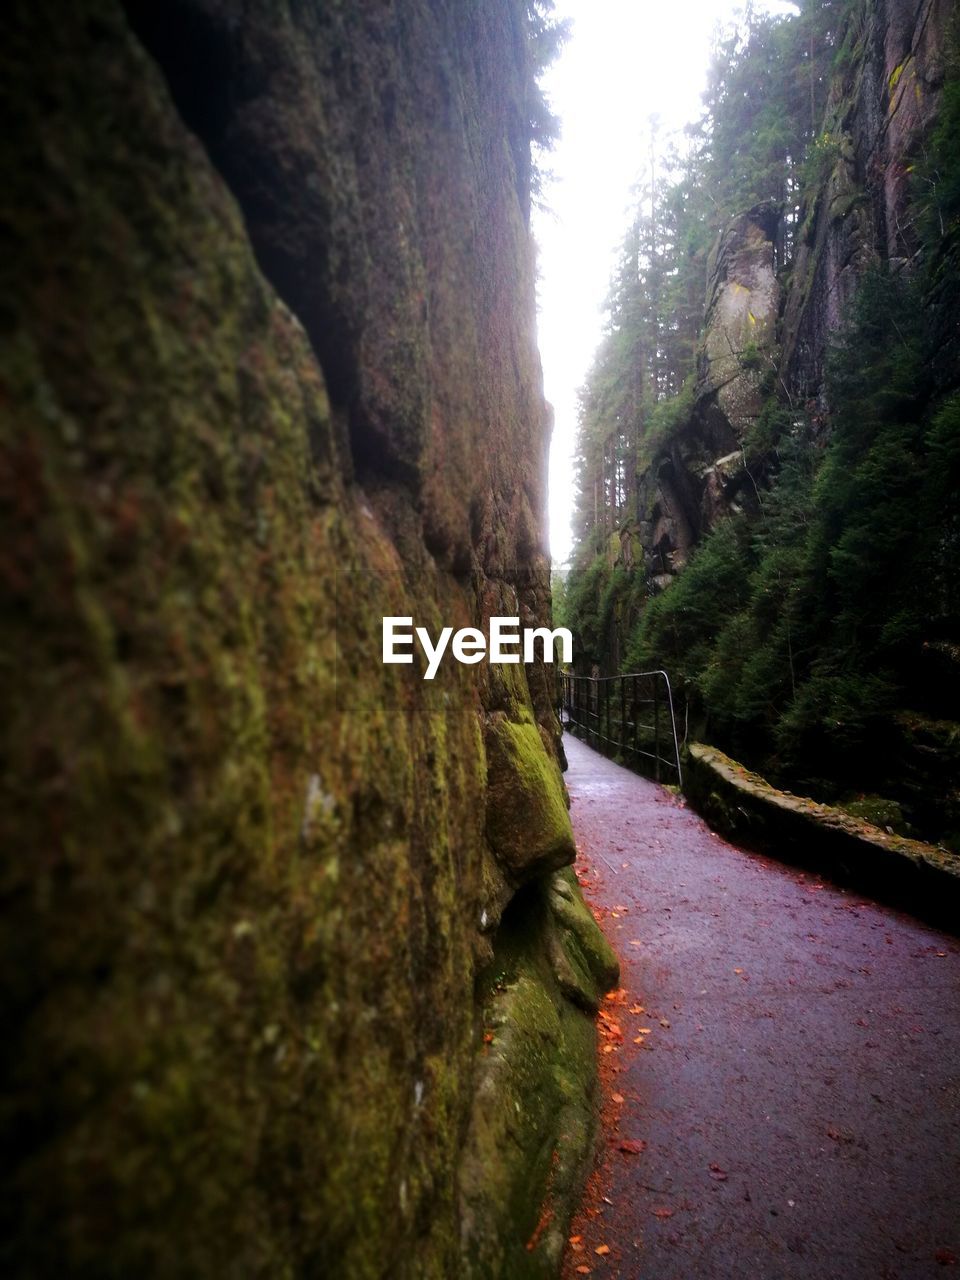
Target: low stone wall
[917, 877]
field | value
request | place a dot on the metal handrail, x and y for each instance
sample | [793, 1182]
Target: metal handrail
[585, 704]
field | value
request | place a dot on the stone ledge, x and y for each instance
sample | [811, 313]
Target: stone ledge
[918, 877]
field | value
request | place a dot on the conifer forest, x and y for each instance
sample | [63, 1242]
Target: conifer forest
[767, 496]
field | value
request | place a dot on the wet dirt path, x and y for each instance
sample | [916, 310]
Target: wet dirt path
[792, 1108]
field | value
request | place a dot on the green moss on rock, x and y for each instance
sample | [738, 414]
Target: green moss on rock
[527, 822]
[584, 964]
[244, 865]
[535, 1109]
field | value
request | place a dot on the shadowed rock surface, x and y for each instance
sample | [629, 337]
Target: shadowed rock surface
[268, 374]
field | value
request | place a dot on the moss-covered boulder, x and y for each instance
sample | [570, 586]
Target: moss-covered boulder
[535, 1110]
[527, 823]
[584, 964]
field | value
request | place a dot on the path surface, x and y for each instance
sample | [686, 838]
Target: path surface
[798, 1090]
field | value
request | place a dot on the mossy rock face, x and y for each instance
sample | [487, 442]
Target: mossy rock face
[245, 865]
[584, 964]
[886, 814]
[527, 822]
[535, 1109]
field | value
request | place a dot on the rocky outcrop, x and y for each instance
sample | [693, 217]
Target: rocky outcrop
[702, 472]
[269, 373]
[740, 326]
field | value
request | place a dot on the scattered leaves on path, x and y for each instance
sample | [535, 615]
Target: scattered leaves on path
[632, 1146]
[662, 1213]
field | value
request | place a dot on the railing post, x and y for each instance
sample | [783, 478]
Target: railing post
[636, 722]
[656, 727]
[606, 707]
[622, 735]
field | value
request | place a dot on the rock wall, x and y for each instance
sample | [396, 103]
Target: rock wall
[910, 875]
[283, 925]
[883, 101]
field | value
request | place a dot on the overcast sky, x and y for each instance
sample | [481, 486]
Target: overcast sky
[625, 61]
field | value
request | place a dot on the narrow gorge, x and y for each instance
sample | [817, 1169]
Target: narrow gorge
[299, 977]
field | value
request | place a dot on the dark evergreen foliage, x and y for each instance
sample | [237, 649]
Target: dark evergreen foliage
[800, 634]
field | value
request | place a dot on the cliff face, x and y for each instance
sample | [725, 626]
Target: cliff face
[276, 950]
[765, 336]
[701, 473]
[883, 102]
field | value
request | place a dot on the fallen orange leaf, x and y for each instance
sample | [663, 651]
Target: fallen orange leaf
[583, 1271]
[637, 1008]
[617, 1098]
[575, 1239]
[663, 1213]
[602, 1249]
[632, 1146]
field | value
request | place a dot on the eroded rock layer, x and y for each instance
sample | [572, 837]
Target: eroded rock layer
[269, 373]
